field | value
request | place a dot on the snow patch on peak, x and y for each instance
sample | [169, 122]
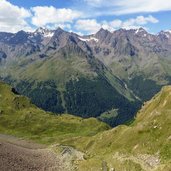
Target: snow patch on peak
[88, 39]
[139, 30]
[167, 35]
[40, 30]
[169, 31]
[50, 34]
[44, 32]
[136, 32]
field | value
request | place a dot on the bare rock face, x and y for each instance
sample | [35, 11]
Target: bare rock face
[103, 45]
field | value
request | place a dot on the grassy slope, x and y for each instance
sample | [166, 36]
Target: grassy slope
[141, 75]
[19, 117]
[62, 70]
[144, 145]
[55, 68]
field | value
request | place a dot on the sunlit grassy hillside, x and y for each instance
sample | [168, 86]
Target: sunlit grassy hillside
[145, 145]
[21, 118]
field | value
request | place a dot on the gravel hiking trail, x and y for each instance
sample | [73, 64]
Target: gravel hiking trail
[21, 155]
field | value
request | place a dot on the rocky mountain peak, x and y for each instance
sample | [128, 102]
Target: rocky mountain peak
[19, 37]
[21, 33]
[102, 34]
[59, 30]
[164, 34]
[169, 31]
[141, 32]
[102, 31]
[44, 32]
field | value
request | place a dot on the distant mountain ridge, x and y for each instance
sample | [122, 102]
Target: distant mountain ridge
[87, 75]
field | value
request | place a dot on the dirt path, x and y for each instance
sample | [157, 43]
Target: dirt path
[20, 155]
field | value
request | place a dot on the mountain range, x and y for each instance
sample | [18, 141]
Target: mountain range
[107, 75]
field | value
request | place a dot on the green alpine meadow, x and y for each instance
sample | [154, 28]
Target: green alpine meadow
[85, 85]
[144, 144]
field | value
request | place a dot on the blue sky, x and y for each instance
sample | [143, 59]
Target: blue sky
[85, 16]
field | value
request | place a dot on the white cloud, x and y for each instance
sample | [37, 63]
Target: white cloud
[134, 6]
[92, 26]
[12, 18]
[62, 26]
[95, 3]
[133, 23]
[44, 15]
[116, 23]
[129, 6]
[144, 20]
[138, 21]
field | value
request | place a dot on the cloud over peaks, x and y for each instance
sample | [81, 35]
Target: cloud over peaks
[118, 7]
[44, 15]
[92, 26]
[13, 18]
